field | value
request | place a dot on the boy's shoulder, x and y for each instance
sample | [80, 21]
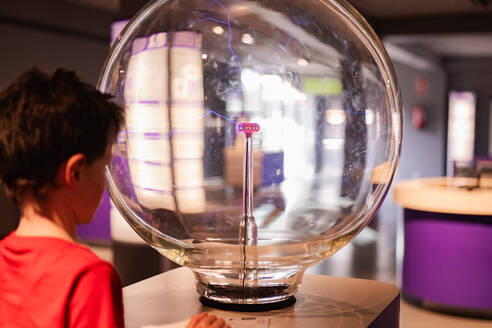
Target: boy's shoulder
[44, 279]
[45, 254]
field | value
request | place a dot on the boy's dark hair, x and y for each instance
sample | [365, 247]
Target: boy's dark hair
[44, 120]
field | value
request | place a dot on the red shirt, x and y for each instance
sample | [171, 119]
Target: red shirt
[50, 282]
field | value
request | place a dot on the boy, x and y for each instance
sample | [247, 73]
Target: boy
[55, 141]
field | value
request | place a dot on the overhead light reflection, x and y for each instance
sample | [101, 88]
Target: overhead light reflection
[369, 116]
[218, 30]
[247, 38]
[333, 143]
[302, 62]
[335, 116]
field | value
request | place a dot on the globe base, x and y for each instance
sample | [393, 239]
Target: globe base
[248, 307]
[244, 295]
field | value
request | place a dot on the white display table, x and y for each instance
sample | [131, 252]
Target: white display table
[170, 299]
[441, 195]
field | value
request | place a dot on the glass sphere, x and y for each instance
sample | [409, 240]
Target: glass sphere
[261, 136]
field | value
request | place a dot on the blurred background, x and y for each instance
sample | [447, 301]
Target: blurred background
[441, 51]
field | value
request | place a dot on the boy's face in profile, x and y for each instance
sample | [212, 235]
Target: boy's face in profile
[91, 188]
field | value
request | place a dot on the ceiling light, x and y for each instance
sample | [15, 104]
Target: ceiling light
[247, 38]
[369, 116]
[302, 62]
[217, 29]
[335, 116]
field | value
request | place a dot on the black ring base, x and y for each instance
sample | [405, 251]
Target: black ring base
[248, 307]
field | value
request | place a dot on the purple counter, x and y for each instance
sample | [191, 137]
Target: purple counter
[448, 261]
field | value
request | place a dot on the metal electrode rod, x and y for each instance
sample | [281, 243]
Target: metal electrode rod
[248, 230]
[248, 176]
[247, 129]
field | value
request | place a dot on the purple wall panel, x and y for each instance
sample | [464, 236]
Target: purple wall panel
[99, 229]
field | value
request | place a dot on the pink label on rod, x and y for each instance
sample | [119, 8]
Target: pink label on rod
[248, 128]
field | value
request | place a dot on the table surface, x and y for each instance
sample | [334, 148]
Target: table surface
[442, 196]
[170, 299]
[412, 316]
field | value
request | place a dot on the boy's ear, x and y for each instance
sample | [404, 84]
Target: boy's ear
[70, 171]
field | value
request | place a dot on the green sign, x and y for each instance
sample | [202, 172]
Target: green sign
[322, 86]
